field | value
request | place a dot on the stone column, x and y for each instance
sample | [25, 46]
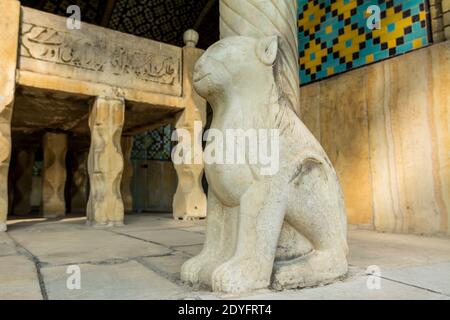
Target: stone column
[437, 27]
[105, 163]
[23, 176]
[80, 183]
[446, 18]
[190, 200]
[54, 174]
[125, 186]
[9, 26]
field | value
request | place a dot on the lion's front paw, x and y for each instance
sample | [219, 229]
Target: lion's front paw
[239, 275]
[191, 269]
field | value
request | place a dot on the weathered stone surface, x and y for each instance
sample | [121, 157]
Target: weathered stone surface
[169, 265]
[355, 289]
[169, 238]
[390, 251]
[105, 163]
[189, 201]
[68, 246]
[190, 250]
[23, 175]
[54, 174]
[386, 127]
[9, 24]
[7, 247]
[96, 54]
[151, 222]
[251, 213]
[126, 281]
[18, 279]
[435, 277]
[412, 265]
[127, 176]
[80, 184]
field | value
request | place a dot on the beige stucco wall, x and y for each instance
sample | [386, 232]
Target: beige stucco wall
[386, 129]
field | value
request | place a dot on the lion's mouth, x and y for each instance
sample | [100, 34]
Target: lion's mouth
[200, 77]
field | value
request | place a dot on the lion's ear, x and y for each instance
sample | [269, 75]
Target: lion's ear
[267, 50]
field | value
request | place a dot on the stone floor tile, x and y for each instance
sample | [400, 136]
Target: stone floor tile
[18, 279]
[126, 281]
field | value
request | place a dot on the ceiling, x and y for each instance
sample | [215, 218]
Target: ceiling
[160, 20]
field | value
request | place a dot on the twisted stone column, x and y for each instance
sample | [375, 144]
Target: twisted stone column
[80, 184]
[54, 175]
[125, 186]
[23, 175]
[437, 23]
[9, 26]
[446, 18]
[261, 18]
[105, 163]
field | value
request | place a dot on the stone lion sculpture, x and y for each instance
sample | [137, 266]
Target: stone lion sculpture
[287, 230]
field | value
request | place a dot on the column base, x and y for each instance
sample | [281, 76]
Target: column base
[3, 227]
[109, 225]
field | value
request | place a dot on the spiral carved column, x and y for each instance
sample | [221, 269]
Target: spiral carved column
[54, 175]
[105, 163]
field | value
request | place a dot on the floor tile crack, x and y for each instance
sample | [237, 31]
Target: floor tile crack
[37, 263]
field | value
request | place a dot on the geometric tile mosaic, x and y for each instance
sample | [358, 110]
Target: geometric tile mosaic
[334, 36]
[153, 145]
[160, 20]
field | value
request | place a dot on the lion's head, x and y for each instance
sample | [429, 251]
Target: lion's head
[235, 64]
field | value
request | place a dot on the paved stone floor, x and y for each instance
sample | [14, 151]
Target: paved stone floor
[142, 261]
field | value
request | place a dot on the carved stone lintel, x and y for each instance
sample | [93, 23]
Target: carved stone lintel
[190, 200]
[105, 163]
[80, 184]
[9, 24]
[109, 57]
[23, 174]
[125, 186]
[54, 175]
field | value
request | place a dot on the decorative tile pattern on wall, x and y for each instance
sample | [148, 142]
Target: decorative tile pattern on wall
[160, 20]
[334, 36]
[153, 145]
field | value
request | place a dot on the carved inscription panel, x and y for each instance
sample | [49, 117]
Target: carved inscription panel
[97, 55]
